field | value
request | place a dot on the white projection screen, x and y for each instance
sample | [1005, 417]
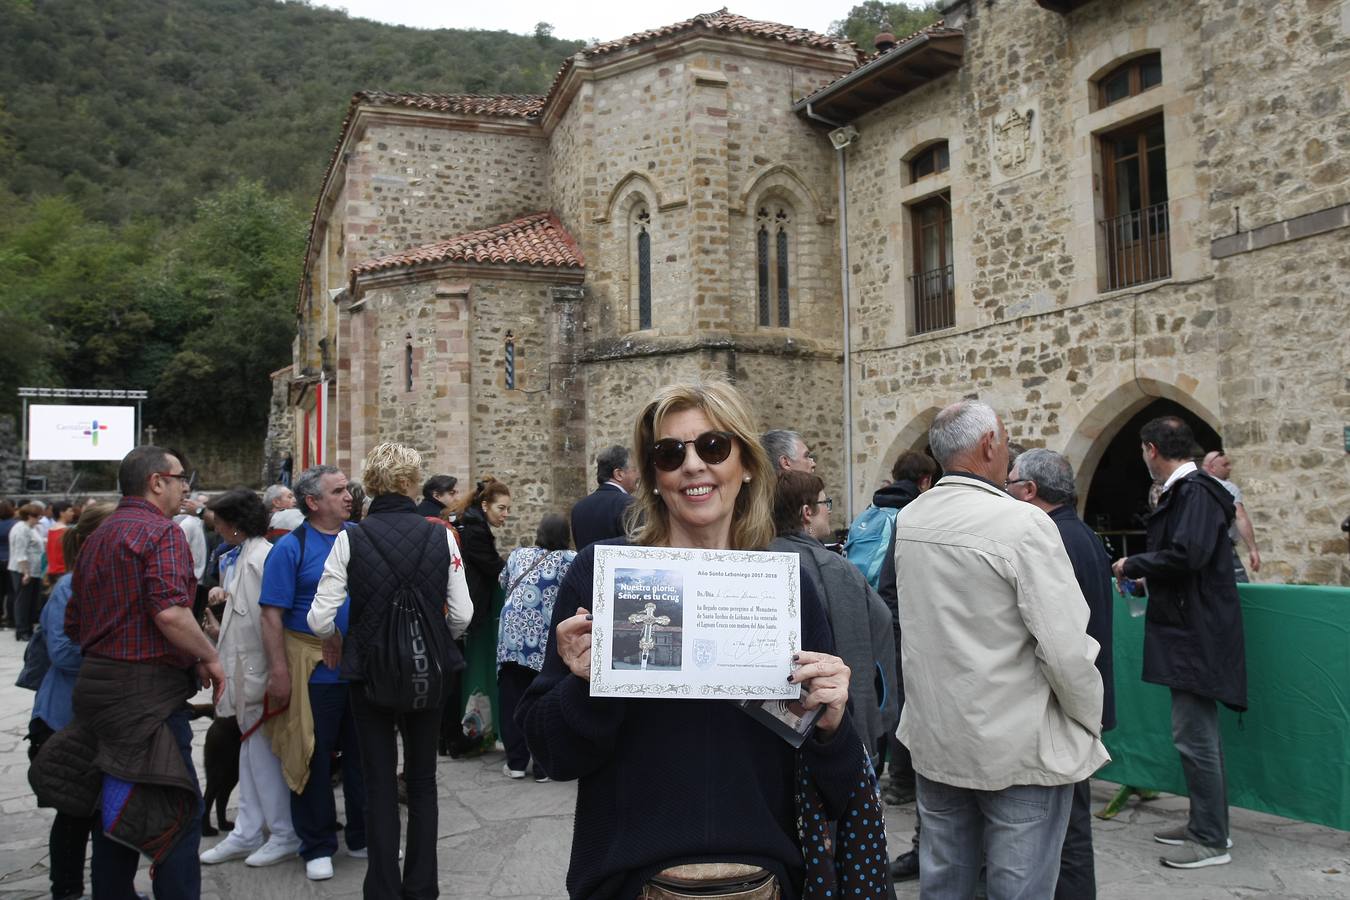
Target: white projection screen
[81, 432]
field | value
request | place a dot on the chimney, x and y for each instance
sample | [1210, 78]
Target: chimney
[885, 41]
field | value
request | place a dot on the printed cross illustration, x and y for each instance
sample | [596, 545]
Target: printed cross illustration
[648, 620]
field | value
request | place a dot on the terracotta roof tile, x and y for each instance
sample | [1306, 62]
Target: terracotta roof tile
[538, 239]
[510, 106]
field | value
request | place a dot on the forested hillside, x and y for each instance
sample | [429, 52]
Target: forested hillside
[158, 161]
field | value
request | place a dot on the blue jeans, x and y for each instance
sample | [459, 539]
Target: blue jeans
[1017, 833]
[314, 813]
[112, 869]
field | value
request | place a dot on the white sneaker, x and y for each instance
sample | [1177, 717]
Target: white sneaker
[319, 869]
[225, 851]
[273, 852]
[512, 773]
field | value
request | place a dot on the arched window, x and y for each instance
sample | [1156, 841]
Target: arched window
[929, 161]
[642, 264]
[1131, 77]
[773, 264]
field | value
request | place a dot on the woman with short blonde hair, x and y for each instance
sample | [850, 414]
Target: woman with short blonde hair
[395, 554]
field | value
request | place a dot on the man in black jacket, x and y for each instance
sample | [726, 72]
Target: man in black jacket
[599, 516]
[1193, 641]
[1044, 479]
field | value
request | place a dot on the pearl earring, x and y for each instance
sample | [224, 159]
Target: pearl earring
[656, 492]
[747, 479]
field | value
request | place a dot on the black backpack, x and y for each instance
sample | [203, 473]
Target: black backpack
[407, 657]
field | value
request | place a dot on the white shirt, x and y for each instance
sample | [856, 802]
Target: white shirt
[617, 485]
[196, 537]
[332, 590]
[1178, 473]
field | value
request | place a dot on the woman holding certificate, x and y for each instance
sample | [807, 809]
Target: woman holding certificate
[682, 797]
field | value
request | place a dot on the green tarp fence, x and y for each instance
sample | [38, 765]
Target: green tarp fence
[1289, 754]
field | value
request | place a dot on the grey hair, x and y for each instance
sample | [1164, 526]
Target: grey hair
[307, 485]
[608, 460]
[780, 442]
[959, 427]
[1051, 472]
[271, 494]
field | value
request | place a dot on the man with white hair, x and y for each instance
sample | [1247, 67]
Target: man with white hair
[1003, 706]
[788, 451]
[1044, 479]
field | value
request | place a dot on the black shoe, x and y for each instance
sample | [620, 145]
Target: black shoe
[905, 867]
[896, 794]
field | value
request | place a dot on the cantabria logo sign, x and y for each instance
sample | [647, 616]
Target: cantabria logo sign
[81, 432]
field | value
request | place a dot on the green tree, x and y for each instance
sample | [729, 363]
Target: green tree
[235, 271]
[868, 19]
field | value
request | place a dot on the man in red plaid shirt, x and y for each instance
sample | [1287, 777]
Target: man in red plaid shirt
[131, 614]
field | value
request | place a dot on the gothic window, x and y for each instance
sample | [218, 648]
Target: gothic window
[773, 265]
[931, 160]
[408, 364]
[933, 284]
[1129, 79]
[642, 264]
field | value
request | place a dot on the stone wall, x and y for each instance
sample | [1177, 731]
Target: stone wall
[1036, 334]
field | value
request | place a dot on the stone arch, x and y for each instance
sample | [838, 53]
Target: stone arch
[913, 436]
[623, 194]
[781, 179]
[1121, 46]
[1095, 432]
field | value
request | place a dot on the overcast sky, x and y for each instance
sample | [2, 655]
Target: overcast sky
[600, 19]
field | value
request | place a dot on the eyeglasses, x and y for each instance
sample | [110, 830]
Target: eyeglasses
[181, 476]
[712, 447]
[828, 503]
[1008, 484]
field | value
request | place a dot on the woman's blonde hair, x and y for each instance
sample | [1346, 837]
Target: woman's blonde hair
[392, 469]
[726, 409]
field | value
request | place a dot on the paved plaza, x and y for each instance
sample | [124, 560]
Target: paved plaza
[510, 839]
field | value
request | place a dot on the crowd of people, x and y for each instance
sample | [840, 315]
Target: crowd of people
[958, 642]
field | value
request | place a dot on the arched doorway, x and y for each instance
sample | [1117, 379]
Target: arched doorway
[1116, 505]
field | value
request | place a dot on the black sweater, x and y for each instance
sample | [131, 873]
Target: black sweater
[666, 782]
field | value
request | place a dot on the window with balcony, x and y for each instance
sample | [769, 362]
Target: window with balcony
[1136, 229]
[932, 286]
[773, 265]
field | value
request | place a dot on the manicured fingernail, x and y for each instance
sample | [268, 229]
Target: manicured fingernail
[796, 658]
[589, 617]
[789, 679]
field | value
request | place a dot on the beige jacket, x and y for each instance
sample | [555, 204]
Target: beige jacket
[241, 644]
[1000, 686]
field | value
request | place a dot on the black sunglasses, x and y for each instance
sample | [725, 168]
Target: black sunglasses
[712, 447]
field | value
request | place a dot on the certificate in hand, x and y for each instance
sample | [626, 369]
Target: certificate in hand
[695, 624]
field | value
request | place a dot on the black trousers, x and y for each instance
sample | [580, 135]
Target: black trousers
[512, 682]
[7, 596]
[376, 728]
[1077, 871]
[69, 837]
[26, 604]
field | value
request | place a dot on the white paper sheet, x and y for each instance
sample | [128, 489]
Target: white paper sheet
[673, 622]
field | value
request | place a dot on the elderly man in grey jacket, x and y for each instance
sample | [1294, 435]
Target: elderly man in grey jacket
[1003, 705]
[858, 616]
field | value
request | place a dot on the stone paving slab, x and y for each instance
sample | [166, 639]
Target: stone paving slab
[509, 840]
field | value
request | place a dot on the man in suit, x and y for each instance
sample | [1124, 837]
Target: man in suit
[600, 516]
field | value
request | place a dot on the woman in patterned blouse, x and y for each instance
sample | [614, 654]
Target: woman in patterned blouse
[531, 580]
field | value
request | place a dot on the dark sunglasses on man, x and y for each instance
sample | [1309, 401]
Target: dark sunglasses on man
[712, 447]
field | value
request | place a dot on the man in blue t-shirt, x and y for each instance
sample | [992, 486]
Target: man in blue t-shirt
[290, 578]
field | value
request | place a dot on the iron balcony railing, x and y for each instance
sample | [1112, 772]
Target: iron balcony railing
[1137, 247]
[934, 294]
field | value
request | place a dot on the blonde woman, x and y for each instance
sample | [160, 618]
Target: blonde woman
[394, 549]
[665, 783]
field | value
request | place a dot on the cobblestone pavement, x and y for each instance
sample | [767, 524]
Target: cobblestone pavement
[510, 839]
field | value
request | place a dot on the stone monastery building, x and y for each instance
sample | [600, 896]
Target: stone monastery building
[1086, 213]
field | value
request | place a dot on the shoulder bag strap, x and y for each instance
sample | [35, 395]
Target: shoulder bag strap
[521, 577]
